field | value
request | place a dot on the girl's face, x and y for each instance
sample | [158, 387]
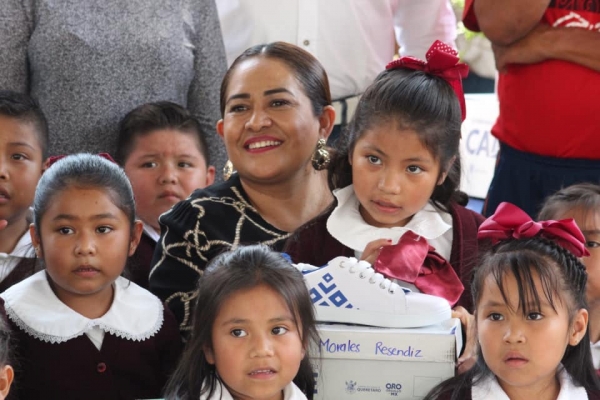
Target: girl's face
[268, 126]
[84, 240]
[589, 223]
[393, 175]
[524, 351]
[165, 167]
[256, 347]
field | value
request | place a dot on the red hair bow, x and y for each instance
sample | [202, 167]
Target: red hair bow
[413, 260]
[509, 221]
[53, 159]
[442, 61]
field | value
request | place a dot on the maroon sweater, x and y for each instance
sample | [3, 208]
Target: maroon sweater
[313, 244]
[76, 369]
[25, 268]
[139, 267]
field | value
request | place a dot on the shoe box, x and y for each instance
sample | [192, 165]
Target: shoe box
[368, 363]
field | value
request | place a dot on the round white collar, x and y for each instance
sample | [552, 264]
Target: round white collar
[347, 225]
[490, 389]
[135, 313]
[290, 392]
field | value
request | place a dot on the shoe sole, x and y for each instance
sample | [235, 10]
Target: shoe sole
[384, 320]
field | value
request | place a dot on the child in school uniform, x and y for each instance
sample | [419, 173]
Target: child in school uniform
[395, 178]
[252, 328]
[531, 314]
[81, 330]
[164, 153]
[582, 203]
[23, 146]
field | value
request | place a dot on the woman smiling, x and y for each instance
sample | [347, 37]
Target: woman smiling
[276, 116]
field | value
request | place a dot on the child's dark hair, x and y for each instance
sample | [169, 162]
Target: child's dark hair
[413, 100]
[25, 109]
[5, 343]
[241, 269]
[563, 279]
[85, 171]
[151, 117]
[582, 196]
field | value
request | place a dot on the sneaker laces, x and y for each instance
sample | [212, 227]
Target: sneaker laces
[366, 271]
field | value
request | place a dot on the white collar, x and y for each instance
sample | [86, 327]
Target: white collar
[347, 225]
[23, 248]
[596, 354]
[151, 232]
[489, 389]
[135, 313]
[290, 392]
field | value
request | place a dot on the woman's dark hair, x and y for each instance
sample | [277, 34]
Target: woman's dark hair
[413, 100]
[151, 117]
[306, 68]
[241, 269]
[25, 109]
[563, 279]
[85, 171]
[582, 196]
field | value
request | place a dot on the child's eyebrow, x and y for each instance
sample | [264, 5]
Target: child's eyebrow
[492, 304]
[591, 232]
[374, 149]
[70, 217]
[235, 320]
[21, 144]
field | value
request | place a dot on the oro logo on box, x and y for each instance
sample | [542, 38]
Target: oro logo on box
[393, 388]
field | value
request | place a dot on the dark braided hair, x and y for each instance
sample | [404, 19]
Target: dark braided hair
[563, 279]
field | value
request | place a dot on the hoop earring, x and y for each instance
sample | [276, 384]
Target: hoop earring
[227, 170]
[320, 158]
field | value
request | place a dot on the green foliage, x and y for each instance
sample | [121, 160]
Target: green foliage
[460, 27]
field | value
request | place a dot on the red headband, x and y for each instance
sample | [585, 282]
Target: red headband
[442, 61]
[53, 159]
[509, 221]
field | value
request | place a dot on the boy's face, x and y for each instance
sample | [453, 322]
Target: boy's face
[20, 169]
[165, 167]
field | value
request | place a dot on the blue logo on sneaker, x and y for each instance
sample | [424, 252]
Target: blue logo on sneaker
[329, 294]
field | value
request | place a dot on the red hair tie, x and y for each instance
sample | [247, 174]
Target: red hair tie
[442, 61]
[509, 221]
[53, 159]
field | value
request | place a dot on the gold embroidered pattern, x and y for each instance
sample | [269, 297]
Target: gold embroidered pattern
[196, 245]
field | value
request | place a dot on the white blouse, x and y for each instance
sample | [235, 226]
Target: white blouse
[489, 389]
[135, 314]
[9, 261]
[347, 225]
[290, 392]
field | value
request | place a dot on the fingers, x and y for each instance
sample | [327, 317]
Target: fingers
[372, 249]
[469, 355]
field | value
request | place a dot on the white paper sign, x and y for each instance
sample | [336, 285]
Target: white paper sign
[478, 148]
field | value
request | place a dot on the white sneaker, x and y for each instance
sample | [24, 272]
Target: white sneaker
[352, 292]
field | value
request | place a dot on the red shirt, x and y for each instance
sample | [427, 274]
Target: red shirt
[550, 108]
